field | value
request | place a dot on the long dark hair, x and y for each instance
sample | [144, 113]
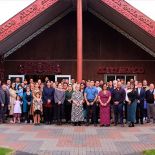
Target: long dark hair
[19, 97]
[14, 86]
[133, 89]
[104, 85]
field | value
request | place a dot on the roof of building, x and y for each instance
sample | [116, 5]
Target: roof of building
[41, 14]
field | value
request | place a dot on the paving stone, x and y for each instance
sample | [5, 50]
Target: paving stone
[68, 140]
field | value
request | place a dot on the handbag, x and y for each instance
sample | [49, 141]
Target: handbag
[48, 105]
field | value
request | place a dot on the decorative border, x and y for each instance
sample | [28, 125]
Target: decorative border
[24, 17]
[133, 15]
[120, 70]
[38, 67]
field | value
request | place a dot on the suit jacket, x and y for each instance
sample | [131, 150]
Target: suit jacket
[118, 95]
[4, 100]
[48, 93]
[141, 96]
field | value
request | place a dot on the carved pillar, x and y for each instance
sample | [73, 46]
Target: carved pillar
[79, 41]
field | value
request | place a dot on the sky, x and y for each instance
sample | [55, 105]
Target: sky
[145, 6]
[9, 8]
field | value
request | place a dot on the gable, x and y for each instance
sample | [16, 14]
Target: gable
[134, 24]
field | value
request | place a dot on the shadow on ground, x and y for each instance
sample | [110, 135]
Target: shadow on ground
[23, 153]
[26, 153]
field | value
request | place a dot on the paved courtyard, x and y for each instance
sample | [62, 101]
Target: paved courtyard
[69, 140]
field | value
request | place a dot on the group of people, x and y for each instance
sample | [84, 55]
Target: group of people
[88, 102]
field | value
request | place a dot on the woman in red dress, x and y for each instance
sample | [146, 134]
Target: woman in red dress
[104, 98]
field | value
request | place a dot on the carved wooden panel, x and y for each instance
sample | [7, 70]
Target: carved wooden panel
[35, 67]
[120, 70]
[133, 14]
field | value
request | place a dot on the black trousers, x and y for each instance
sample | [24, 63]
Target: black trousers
[47, 114]
[94, 113]
[3, 113]
[68, 110]
[25, 116]
[140, 112]
[118, 111]
[59, 112]
[126, 110]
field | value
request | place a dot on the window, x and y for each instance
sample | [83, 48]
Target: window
[122, 77]
[128, 78]
[59, 78]
[13, 77]
[112, 77]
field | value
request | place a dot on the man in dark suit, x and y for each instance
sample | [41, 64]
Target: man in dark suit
[4, 102]
[140, 103]
[118, 98]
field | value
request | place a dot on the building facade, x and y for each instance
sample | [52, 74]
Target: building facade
[109, 50]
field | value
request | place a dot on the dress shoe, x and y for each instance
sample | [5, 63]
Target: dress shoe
[87, 124]
[122, 125]
[107, 125]
[141, 122]
[131, 124]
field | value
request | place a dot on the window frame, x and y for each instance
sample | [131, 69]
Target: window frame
[125, 75]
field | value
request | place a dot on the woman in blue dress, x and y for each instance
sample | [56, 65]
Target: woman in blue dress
[131, 98]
